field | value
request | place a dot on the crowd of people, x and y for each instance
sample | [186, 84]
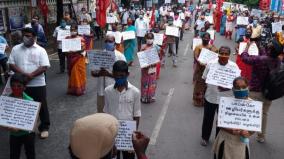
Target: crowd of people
[93, 136]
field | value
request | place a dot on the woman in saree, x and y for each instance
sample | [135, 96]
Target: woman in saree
[149, 74]
[199, 83]
[130, 45]
[223, 23]
[76, 65]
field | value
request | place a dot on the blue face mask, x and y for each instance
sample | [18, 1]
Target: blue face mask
[241, 94]
[63, 25]
[201, 34]
[109, 46]
[122, 81]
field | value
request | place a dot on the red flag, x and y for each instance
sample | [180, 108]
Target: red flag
[101, 8]
[114, 6]
[43, 7]
[152, 21]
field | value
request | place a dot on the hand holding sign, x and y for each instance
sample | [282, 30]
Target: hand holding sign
[206, 56]
[84, 29]
[158, 39]
[101, 59]
[148, 57]
[62, 34]
[128, 35]
[123, 140]
[172, 31]
[71, 45]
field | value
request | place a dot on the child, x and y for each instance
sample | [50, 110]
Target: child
[19, 137]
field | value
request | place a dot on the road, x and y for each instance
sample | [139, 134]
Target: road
[173, 124]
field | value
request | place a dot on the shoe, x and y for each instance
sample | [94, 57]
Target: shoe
[44, 134]
[260, 139]
[203, 142]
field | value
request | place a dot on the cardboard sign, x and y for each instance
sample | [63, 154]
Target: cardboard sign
[2, 48]
[253, 49]
[196, 42]
[101, 59]
[18, 113]
[172, 31]
[181, 1]
[123, 140]
[206, 56]
[71, 45]
[84, 29]
[240, 114]
[110, 20]
[276, 27]
[168, 1]
[127, 35]
[212, 34]
[242, 47]
[209, 19]
[242, 20]
[148, 57]
[62, 34]
[222, 76]
[158, 39]
[94, 15]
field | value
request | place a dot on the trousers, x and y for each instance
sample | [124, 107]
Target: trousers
[16, 143]
[61, 56]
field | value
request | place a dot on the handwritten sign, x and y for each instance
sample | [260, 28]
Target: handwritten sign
[110, 20]
[276, 27]
[62, 34]
[148, 57]
[253, 49]
[123, 140]
[242, 20]
[240, 114]
[212, 34]
[158, 39]
[209, 19]
[101, 59]
[2, 48]
[127, 35]
[242, 47]
[196, 42]
[206, 56]
[172, 31]
[222, 76]
[84, 29]
[71, 45]
[18, 113]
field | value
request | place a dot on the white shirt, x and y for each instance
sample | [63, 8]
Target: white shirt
[212, 93]
[123, 105]
[125, 17]
[55, 33]
[85, 16]
[200, 24]
[142, 26]
[29, 60]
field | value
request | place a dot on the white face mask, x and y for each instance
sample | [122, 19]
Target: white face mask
[149, 41]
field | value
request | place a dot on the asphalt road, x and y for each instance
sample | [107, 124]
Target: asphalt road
[173, 124]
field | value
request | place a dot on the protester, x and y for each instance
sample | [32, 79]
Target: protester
[38, 29]
[89, 38]
[213, 93]
[223, 23]
[32, 60]
[130, 45]
[16, 37]
[229, 26]
[69, 21]
[85, 15]
[171, 44]
[256, 29]
[199, 24]
[3, 59]
[142, 26]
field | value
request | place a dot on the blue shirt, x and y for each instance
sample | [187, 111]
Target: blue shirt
[2, 41]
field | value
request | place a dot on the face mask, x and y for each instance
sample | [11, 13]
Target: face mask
[149, 41]
[109, 46]
[201, 33]
[120, 81]
[28, 41]
[17, 92]
[63, 25]
[223, 60]
[73, 33]
[140, 16]
[241, 94]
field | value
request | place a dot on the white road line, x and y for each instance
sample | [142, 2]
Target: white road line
[161, 118]
[186, 49]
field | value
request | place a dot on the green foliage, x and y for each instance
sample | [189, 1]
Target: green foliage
[250, 3]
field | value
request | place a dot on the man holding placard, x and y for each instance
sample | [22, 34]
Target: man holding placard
[142, 26]
[171, 43]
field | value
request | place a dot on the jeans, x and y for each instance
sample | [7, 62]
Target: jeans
[61, 56]
[16, 143]
[172, 47]
[140, 41]
[39, 95]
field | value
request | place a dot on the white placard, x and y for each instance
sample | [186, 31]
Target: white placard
[242, 47]
[148, 57]
[206, 56]
[127, 35]
[110, 20]
[222, 76]
[196, 42]
[181, 1]
[62, 34]
[212, 34]
[256, 12]
[101, 59]
[158, 39]
[84, 29]
[2, 48]
[18, 113]
[253, 49]
[94, 15]
[172, 31]
[276, 27]
[242, 20]
[71, 45]
[177, 23]
[168, 1]
[240, 114]
[209, 19]
[123, 140]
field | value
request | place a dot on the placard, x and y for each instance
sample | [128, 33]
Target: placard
[240, 114]
[158, 39]
[168, 1]
[256, 12]
[196, 42]
[69, 45]
[172, 31]
[84, 29]
[110, 20]
[206, 56]
[62, 34]
[127, 35]
[148, 57]
[101, 59]
[276, 27]
[94, 15]
[242, 20]
[212, 34]
[253, 49]
[242, 47]
[209, 19]
[123, 140]
[18, 113]
[181, 1]
[222, 76]
[2, 48]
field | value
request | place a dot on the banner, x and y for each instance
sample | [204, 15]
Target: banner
[148, 57]
[101, 59]
[123, 140]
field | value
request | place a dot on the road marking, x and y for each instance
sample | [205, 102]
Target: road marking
[186, 49]
[161, 118]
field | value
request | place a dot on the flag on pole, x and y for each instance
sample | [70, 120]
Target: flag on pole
[101, 9]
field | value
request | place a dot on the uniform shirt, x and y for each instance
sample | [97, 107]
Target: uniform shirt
[55, 33]
[29, 60]
[212, 94]
[123, 105]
